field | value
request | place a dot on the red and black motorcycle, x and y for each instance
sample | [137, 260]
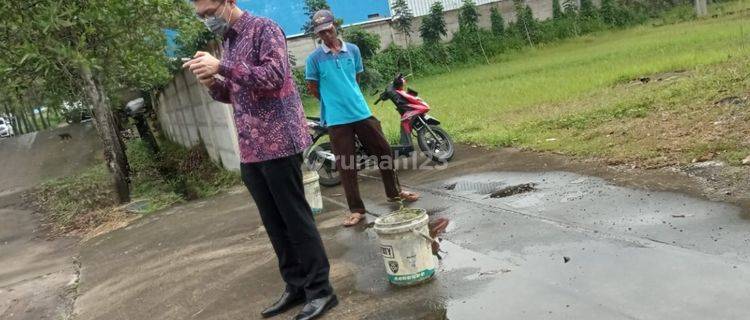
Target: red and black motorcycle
[434, 142]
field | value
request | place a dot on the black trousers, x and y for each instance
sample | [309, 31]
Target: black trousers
[278, 191]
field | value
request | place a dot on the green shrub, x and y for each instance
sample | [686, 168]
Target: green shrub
[368, 43]
[676, 15]
[179, 172]
[299, 81]
[433, 25]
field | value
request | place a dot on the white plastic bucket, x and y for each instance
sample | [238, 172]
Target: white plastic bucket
[406, 247]
[312, 191]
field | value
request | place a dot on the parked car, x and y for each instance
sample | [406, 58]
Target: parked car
[6, 130]
[78, 115]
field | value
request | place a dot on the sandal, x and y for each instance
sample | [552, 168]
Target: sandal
[353, 219]
[406, 196]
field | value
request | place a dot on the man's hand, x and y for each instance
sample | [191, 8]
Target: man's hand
[313, 89]
[204, 66]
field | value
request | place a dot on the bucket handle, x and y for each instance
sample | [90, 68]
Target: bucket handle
[430, 239]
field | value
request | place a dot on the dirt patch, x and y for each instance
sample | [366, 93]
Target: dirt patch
[513, 190]
[716, 131]
[114, 219]
[733, 101]
[660, 77]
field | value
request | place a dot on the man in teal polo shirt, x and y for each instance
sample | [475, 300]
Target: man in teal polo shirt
[332, 75]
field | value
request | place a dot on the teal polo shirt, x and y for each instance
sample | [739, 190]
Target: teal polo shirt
[341, 99]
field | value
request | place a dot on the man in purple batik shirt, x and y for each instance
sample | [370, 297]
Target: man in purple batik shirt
[254, 75]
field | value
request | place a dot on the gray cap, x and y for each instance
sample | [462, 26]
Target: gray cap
[322, 20]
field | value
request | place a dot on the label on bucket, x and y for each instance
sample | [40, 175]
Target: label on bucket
[312, 192]
[387, 251]
[408, 256]
[411, 278]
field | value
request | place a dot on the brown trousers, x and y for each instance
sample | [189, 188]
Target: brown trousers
[370, 134]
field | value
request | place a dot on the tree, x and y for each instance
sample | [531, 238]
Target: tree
[613, 14]
[525, 23]
[701, 8]
[313, 6]
[90, 50]
[468, 27]
[402, 19]
[433, 25]
[557, 12]
[570, 12]
[497, 22]
[570, 7]
[468, 18]
[588, 10]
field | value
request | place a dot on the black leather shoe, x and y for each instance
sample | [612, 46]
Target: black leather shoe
[287, 301]
[316, 308]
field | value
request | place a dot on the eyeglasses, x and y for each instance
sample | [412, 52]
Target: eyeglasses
[211, 12]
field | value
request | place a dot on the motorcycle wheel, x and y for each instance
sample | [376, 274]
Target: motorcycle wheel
[438, 148]
[327, 173]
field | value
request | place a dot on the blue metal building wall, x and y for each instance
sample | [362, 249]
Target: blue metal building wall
[290, 14]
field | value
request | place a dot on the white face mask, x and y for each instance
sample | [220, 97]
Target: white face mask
[217, 24]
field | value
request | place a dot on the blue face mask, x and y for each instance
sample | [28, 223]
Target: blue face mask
[217, 24]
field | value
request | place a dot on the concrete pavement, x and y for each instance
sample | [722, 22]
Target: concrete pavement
[589, 243]
[37, 274]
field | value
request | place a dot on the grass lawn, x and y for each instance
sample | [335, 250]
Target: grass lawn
[551, 97]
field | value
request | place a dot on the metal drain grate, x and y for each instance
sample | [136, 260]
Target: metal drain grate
[474, 186]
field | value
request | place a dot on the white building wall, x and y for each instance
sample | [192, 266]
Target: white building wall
[422, 7]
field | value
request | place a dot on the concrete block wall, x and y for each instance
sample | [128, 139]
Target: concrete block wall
[188, 115]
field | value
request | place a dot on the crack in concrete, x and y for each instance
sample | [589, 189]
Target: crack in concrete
[70, 293]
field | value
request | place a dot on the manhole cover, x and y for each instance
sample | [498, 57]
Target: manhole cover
[474, 186]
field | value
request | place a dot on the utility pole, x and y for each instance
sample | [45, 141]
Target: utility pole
[701, 8]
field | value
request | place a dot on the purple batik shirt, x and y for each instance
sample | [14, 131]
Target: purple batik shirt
[257, 81]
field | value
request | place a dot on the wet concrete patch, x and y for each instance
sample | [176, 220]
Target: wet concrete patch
[513, 190]
[599, 206]
[582, 248]
[602, 280]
